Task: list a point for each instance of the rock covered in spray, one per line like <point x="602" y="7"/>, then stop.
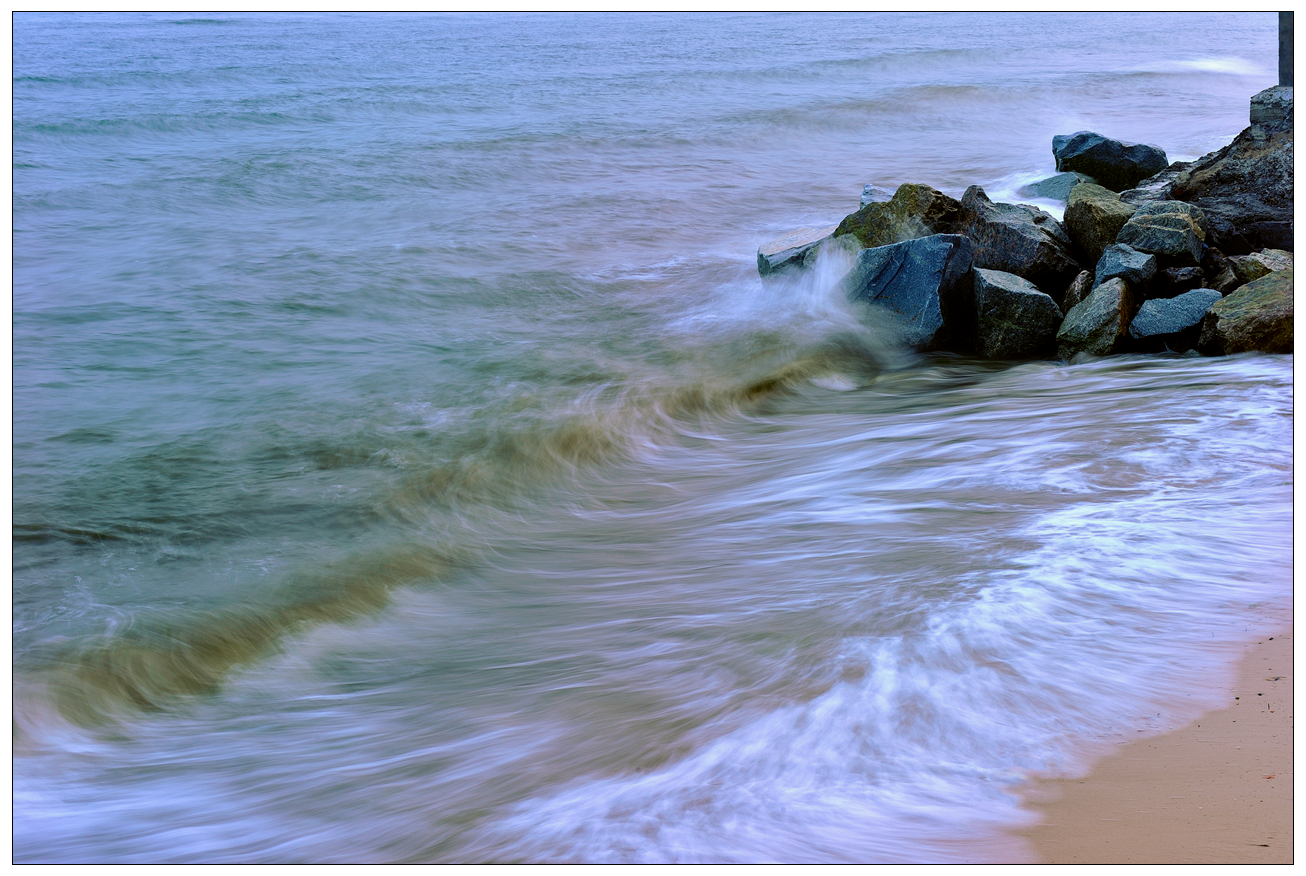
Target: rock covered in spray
<point x="922" y="289"/>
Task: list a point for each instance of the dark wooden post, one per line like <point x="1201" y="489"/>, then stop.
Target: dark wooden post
<point x="1285" y="49"/>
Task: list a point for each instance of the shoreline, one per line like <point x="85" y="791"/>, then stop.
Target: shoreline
<point x="1218" y="790"/>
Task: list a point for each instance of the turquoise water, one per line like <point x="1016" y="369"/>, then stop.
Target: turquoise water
<point x="409" y="464"/>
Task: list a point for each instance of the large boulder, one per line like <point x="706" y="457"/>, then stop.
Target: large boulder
<point x="1114" y="164"/>
<point x="1257" y="316"/>
<point x="795" y="250"/>
<point x="1171" y="229"/>
<point x="1171" y="323"/>
<point x="1094" y="216"/>
<point x="1014" y="320"/>
<point x="1019" y="240"/>
<point x="915" y="210"/>
<point x="1136" y="268"/>
<point x="922" y="287"/>
<point x="1098" y="325"/>
<point x="1245" y="189"/>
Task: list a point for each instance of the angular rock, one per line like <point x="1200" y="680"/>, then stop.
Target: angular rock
<point x="1114" y="164"/>
<point x="1166" y="228"/>
<point x="1271" y="110"/>
<point x="1055" y="188"/>
<point x="923" y="287"/>
<point x="1257" y="316"/>
<point x="1077" y="291"/>
<point x="1137" y="268"/>
<point x="1098" y="325"/>
<point x="1246" y="188"/>
<point x="1014" y="320"/>
<point x="1019" y="240"/>
<point x="795" y="250"/>
<point x="914" y="211"/>
<point x="873" y="194"/>
<point x="1094" y="216"/>
<point x="1252" y="267"/>
<point x="1171" y="324"/>
<point x="1175" y="281"/>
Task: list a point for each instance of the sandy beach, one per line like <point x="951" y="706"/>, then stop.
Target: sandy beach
<point x="1217" y="791"/>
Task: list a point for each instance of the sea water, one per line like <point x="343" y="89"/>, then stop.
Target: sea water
<point x="409" y="464"/>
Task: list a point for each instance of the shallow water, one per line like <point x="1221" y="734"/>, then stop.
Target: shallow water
<point x="409" y="464"/>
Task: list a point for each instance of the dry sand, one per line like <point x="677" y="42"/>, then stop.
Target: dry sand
<point x="1218" y="791"/>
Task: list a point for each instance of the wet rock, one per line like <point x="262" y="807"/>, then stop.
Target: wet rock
<point x="1175" y="281"/>
<point x="1014" y="320"/>
<point x="1077" y="291"/>
<point x="1115" y="164"/>
<point x="1094" y="217"/>
<point x="922" y="287"/>
<point x="1172" y="229"/>
<point x="1137" y="268"/>
<point x="1257" y="316"/>
<point x="795" y="250"/>
<point x="1055" y="188"/>
<point x="1019" y="240"/>
<point x="873" y="194"/>
<point x="1271" y="110"/>
<point x="1247" y="268"/>
<point x="1098" y="325"/>
<point x="1172" y="324"/>
<point x="1245" y="189"/>
<point x="914" y="211"/>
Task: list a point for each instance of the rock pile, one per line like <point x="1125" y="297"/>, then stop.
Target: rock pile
<point x="1189" y="256"/>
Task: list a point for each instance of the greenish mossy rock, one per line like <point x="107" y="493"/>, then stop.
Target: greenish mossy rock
<point x="1014" y="320"/>
<point x="1247" y="268"/>
<point x="1257" y="316"/>
<point x="1094" y="217"/>
<point x="915" y="210"/>
<point x="1098" y="325"/>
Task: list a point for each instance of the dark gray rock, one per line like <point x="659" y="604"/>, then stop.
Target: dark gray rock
<point x="1171" y="323"/>
<point x="1257" y="316"/>
<point x="1094" y="216"/>
<point x="1019" y="240"/>
<point x="1114" y="164"/>
<point x="1014" y="320"/>
<point x="1098" y="325"/>
<point x="922" y="287"/>
<point x="914" y="211"/>
<point x="795" y="250"/>
<point x="1055" y="188"/>
<point x="1137" y="268"/>
<point x="1172" y="229"/>
<point x="1271" y="110"/>
<point x="1175" y="281"/>
<point x="873" y="194"/>
<point x="1245" y="189"/>
<point x="1077" y="291"/>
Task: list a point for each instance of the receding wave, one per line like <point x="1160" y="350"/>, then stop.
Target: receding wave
<point x="153" y="663"/>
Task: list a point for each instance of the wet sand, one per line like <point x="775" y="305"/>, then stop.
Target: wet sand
<point x="1217" y="791"/>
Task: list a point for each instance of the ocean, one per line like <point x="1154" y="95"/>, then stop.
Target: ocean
<point x="409" y="464"/>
